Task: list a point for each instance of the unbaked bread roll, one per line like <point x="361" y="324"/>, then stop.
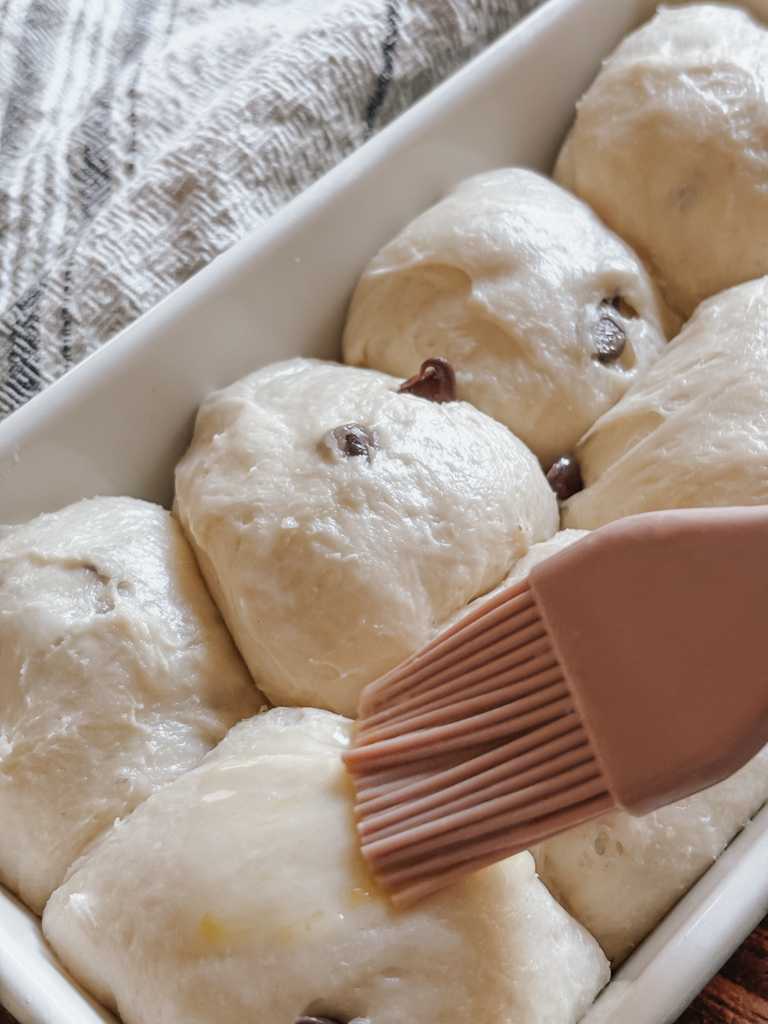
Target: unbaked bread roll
<point x="546" y="315"/>
<point x="669" y="149"/>
<point x="116" y="675"/>
<point x="339" y="523"/>
<point x="619" y="875"/>
<point x="238" y="894"/>
<point x="520" y="570"/>
<point x="694" y="430"/>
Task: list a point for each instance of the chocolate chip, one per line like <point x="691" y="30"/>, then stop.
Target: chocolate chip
<point x="355" y="439"/>
<point x="609" y="339"/>
<point x="435" y="381"/>
<point x="316" y="1020"/>
<point x="565" y="477"/>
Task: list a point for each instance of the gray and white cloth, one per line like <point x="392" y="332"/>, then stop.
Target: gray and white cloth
<point x="141" y="138"/>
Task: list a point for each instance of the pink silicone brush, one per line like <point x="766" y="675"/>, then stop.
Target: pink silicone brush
<point x="629" y="670"/>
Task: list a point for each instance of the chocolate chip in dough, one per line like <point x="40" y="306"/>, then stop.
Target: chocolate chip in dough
<point x="355" y="439"/>
<point x="609" y="339"/>
<point x="564" y="477"/>
<point x="316" y="1020"/>
<point x="435" y="381"/>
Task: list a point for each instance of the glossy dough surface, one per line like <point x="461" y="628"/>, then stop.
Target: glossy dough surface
<point x="239" y="890"/>
<point x="669" y="149"/>
<point x="331" y="568"/>
<point x="116" y="675"/>
<point x="512" y="280"/>
<point x="619" y="875"/>
<point x="694" y="430"/>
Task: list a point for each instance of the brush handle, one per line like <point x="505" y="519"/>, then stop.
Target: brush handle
<point x="660" y="621"/>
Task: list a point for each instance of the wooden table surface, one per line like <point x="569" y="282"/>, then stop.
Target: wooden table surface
<point x="737" y="995"/>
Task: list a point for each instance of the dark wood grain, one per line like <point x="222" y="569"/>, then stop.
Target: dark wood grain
<point x="723" y="1002"/>
<point x="748" y="966"/>
<point x="737" y="995"/>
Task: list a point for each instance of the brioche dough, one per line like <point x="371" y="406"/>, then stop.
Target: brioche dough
<point x="238" y="894"/>
<point x="116" y="675"/>
<point x="619" y="875"/>
<point x="669" y="149"/>
<point x="520" y="570"/>
<point x="694" y="430"/>
<point x="514" y="282"/>
<point x="331" y="568"/>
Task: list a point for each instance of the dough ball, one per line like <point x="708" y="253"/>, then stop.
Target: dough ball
<point x="540" y="552"/>
<point x="619" y="875"/>
<point x="116" y="675"/>
<point x="520" y="570"/>
<point x="694" y="431"/>
<point x="669" y="149"/>
<point x="546" y="315"/>
<point x="238" y="894"/>
<point x="331" y="564"/>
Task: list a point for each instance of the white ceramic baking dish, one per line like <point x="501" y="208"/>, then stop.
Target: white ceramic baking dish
<point x="118" y="422"/>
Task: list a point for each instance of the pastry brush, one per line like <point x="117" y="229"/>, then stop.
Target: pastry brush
<point x="627" y="671"/>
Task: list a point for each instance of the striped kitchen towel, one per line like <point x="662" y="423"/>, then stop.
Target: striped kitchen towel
<point x="140" y="138"/>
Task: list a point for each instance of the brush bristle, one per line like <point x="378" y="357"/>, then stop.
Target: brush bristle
<point x="470" y="751"/>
